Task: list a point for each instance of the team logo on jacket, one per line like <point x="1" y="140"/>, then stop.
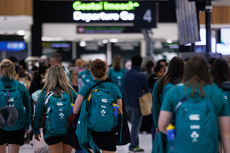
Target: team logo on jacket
<point x="104" y="100"/>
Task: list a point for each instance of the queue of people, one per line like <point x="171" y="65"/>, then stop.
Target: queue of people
<point x="190" y="96"/>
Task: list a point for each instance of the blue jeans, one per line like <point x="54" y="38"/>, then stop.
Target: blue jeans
<point x="135" y="117"/>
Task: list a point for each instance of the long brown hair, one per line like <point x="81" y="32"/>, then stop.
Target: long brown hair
<point x="173" y="75"/>
<point x="220" y="71"/>
<point x="196" y="73"/>
<point x="117" y="63"/>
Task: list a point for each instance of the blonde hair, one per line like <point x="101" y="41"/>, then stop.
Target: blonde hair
<point x="79" y="63"/>
<point x="8" y="68"/>
<point x="56" y="79"/>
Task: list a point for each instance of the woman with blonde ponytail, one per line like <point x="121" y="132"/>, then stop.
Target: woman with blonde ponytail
<point x="56" y="88"/>
<point x="15" y="123"/>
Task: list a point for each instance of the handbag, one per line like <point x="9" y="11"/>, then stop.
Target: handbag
<point x="146" y="104"/>
<point x="122" y="131"/>
<point x="71" y="137"/>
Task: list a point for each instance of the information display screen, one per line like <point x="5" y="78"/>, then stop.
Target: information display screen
<point x="223" y="48"/>
<point x="106" y="29"/>
<point x="224" y="35"/>
<point x="141" y="14"/>
<point x="61" y="47"/>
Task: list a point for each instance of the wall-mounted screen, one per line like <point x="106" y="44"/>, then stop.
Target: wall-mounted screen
<point x="225" y="35"/>
<point x="61" y="47"/>
<point x="202" y="37"/>
<point x="138" y="13"/>
<point x="223" y="49"/>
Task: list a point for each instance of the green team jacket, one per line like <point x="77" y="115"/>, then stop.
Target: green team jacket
<point x="157" y="100"/>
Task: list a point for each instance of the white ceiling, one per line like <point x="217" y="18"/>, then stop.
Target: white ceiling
<point x="11" y="24"/>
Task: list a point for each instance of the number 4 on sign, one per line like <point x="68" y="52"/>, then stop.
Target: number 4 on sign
<point x="148" y="16"/>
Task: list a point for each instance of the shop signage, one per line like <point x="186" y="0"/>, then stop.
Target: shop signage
<point x="12" y="45"/>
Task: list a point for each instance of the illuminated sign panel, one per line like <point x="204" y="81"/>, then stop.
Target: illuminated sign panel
<point x="12" y="46"/>
<point x="102" y="16"/>
<point x="106" y="29"/>
<point x="93" y="6"/>
<point x="61" y="47"/>
<point x="126" y="12"/>
<point x="138" y="13"/>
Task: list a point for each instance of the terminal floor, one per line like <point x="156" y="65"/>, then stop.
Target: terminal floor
<point x="145" y="143"/>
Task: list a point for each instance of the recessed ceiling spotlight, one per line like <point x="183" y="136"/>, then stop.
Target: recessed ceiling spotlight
<point x="82" y="43"/>
<point x="169" y="41"/>
<point x="114" y="40"/>
<point x="104" y="41"/>
<point x="21" y="32"/>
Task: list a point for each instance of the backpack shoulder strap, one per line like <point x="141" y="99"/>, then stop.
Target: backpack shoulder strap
<point x="185" y="98"/>
<point x="48" y="97"/>
<point x="1" y="85"/>
<point x="93" y="87"/>
<point x="89" y="93"/>
<point x="180" y="102"/>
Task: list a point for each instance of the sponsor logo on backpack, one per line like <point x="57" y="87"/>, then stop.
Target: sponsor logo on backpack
<point x="195" y="127"/>
<point x="103" y="112"/>
<point x="194" y="117"/>
<point x="104" y="100"/>
<point x="194" y="136"/>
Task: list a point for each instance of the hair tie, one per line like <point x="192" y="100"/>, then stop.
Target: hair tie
<point x="5" y="65"/>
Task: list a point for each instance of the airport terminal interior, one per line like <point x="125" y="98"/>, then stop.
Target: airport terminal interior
<point x="33" y="30"/>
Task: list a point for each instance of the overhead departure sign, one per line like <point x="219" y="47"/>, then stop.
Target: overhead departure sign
<point x="140" y="13"/>
<point x="99" y="6"/>
<point x="102" y="16"/>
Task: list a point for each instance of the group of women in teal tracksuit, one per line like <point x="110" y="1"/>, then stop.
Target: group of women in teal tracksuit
<point x="196" y="83"/>
<point x="172" y="77"/>
<point x="56" y="87"/>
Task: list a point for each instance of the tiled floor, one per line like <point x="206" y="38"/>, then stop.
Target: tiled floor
<point x="145" y="143"/>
